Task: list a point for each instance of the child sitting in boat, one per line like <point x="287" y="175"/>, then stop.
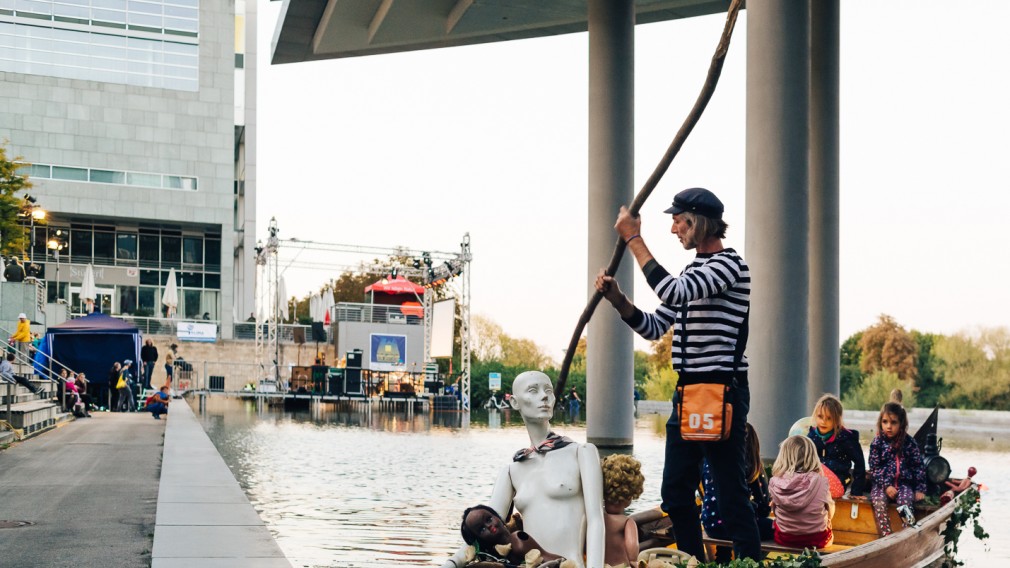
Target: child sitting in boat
<point x="896" y="468"/>
<point x="484" y="529"/>
<point x="837" y="447"/>
<point x="623" y="482"/>
<point x="800" y="498"/>
<point x="760" y="501"/>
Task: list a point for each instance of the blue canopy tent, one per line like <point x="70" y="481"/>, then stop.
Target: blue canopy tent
<point x="91" y="344"/>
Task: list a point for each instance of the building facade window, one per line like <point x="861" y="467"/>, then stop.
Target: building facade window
<point x="151" y="252"/>
<point x="113" y="177"/>
<point x="171" y="252"/>
<point x="126" y="248"/>
<point x="133" y="42"/>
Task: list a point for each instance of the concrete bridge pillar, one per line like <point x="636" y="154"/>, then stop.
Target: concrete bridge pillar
<point x="777" y="215"/>
<point x="610" y="355"/>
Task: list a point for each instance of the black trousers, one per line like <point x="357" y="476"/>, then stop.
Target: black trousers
<point x="682" y="474"/>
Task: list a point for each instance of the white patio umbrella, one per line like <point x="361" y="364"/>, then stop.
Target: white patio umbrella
<point x="170" y="297"/>
<point x="327" y="304"/>
<point x="282" y="299"/>
<point x="88" y="290"/>
<point x="315" y="307"/>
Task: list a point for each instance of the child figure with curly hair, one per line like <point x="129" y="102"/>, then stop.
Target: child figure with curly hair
<point x="622" y="483"/>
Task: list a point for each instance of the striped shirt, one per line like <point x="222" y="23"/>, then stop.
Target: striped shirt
<point x="716" y="289"/>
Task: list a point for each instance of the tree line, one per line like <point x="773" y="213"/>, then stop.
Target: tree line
<point x="969" y="369"/>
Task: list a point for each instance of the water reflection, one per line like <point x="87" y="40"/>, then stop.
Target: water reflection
<point x="353" y="486"/>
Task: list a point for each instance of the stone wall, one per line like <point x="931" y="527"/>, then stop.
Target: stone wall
<point x="235" y="360"/>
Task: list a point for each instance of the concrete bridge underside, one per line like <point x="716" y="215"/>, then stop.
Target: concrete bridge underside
<point x="791" y="167"/>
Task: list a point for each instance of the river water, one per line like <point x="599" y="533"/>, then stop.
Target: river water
<point x="350" y="487"/>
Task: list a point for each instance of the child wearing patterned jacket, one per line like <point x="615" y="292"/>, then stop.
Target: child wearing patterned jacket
<point x="896" y="468"/>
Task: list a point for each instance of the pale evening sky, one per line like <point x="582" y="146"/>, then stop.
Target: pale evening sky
<point x="415" y="149"/>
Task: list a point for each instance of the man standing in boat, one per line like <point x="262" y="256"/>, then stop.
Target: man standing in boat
<point x="707" y="305"/>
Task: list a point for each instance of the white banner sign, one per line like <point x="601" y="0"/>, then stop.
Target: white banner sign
<point x="192" y="331"/>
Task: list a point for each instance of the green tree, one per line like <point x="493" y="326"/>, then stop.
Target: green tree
<point x="661" y="385"/>
<point x="660" y="380"/>
<point x="13" y="180"/>
<point x="641" y="369"/>
<point x="887" y="346"/>
<point x="485" y="338"/>
<point x="930" y="382"/>
<point x="876" y="390"/>
<point x="520" y="352"/>
<point x="660" y="355"/>
<point x="850" y="353"/>
<point x="976" y="369"/>
<point x="494" y="351"/>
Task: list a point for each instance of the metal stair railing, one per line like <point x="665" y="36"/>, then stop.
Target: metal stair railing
<point x="49" y="372"/>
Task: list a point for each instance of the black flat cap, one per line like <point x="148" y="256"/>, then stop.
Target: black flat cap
<point x="697" y="200"/>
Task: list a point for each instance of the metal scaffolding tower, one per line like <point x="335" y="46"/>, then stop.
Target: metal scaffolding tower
<point x="464" y="316"/>
<point x="435" y="269"/>
<point x="266" y="291"/>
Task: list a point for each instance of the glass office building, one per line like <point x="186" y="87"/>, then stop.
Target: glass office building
<point x="136" y="121"/>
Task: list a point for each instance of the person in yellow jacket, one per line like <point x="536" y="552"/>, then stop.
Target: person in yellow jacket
<point x="23" y="334"/>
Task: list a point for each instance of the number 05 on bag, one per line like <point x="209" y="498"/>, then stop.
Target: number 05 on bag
<point x="705" y="413"/>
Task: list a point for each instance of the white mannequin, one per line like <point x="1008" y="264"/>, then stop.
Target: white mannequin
<point x="560" y="492"/>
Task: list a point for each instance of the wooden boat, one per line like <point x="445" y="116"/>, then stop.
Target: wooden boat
<point x="856" y="541"/>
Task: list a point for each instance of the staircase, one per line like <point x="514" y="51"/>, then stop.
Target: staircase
<point x="30" y="412"/>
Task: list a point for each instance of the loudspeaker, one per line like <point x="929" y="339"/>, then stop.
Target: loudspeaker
<point x="352" y="380"/>
<point x="336" y="378"/>
<point x="318" y="332"/>
<point x="354" y="359"/>
<point x="299" y="334"/>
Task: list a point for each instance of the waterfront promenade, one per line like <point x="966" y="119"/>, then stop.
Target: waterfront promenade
<point x="125" y="490"/>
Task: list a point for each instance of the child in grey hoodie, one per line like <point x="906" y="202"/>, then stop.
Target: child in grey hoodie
<point x="800" y="496"/>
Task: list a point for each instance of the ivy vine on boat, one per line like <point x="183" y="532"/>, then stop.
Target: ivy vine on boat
<point x="808" y="559"/>
<point x="968" y="510"/>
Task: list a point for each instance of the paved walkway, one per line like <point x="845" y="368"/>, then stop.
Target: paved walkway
<point x="204" y="518"/>
<point x="90" y="487"/>
<point x="125" y="490"/>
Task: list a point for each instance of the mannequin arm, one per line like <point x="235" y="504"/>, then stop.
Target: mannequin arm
<point x="631" y="541"/>
<point x="592" y="492"/>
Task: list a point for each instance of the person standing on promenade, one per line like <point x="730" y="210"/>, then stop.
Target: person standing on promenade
<point x="168" y="369"/>
<point x="127" y="398"/>
<point x="574" y="405"/>
<point x="14" y="271"/>
<point x="148" y="356"/>
<point x="707" y="305"/>
<point x="23" y="335"/>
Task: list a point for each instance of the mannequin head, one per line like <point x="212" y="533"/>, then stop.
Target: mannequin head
<point x="533" y="396"/>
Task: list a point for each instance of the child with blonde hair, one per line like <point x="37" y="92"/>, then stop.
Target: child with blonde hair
<point x="837" y="447"/>
<point x="623" y="482"/>
<point x="800" y="497"/>
<point x="895" y="465"/>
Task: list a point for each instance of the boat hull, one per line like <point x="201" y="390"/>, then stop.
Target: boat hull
<point x="911" y="546"/>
